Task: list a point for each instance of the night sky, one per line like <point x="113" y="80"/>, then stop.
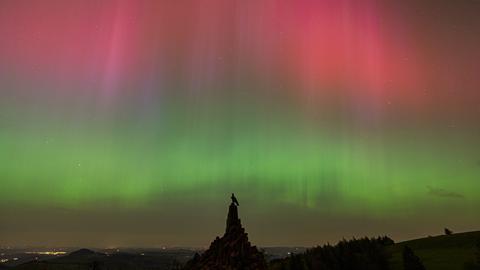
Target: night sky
<point x="129" y="123"/>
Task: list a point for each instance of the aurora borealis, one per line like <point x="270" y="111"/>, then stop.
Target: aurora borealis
<point x="131" y="122"/>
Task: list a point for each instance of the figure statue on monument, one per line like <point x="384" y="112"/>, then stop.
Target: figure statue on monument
<point x="234" y="200"/>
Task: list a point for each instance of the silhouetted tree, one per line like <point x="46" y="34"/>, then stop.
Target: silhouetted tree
<point x="410" y="260"/>
<point x="448" y="232"/>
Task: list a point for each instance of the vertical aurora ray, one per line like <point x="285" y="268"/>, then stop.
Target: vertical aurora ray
<point x="329" y="109"/>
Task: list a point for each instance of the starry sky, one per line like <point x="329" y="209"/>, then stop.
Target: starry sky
<point x="129" y="123"/>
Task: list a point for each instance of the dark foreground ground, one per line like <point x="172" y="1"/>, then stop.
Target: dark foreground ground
<point x="440" y="252"/>
<point x="112" y="259"/>
<point x="450" y="252"/>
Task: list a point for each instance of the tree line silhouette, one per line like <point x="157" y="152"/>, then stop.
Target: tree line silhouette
<point x="361" y="254"/>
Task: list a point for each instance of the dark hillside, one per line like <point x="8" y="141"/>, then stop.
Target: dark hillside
<point x="444" y="252"/>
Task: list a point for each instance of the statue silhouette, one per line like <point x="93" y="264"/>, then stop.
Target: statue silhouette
<point x="234" y="200"/>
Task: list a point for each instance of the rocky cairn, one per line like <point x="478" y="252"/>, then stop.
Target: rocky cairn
<point x="232" y="251"/>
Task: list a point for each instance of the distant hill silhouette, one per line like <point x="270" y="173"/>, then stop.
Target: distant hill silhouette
<point x="85" y="259"/>
<point x="232" y="251"/>
<point x="83" y="252"/>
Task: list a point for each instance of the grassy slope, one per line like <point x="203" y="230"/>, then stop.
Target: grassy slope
<point x="439" y="252"/>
